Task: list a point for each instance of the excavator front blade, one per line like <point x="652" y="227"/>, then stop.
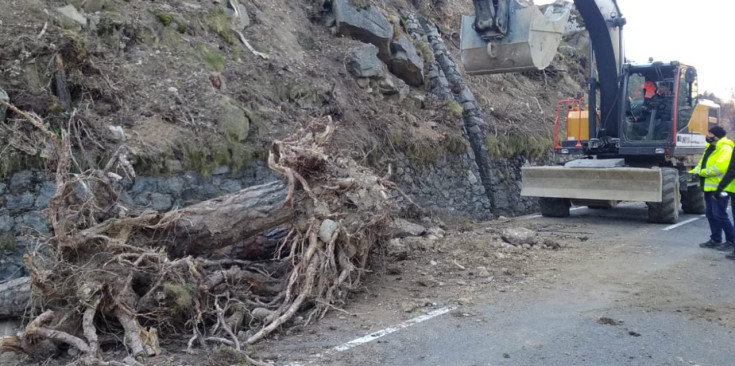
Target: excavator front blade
<point x="530" y="44"/>
<point x="604" y="184"/>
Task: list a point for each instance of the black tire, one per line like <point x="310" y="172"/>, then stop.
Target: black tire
<point x="666" y="211"/>
<point x="692" y="200"/>
<point x="554" y="207"/>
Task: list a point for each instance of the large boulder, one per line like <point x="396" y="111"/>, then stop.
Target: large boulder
<point x="363" y="61"/>
<point x="364" y="23"/>
<point x="406" y="63"/>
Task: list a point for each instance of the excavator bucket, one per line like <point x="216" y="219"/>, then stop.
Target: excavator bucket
<point x="530" y="44"/>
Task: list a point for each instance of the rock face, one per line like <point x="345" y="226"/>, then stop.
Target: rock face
<point x="363" y="62"/>
<point x="365" y="24"/>
<point x="406" y="62"/>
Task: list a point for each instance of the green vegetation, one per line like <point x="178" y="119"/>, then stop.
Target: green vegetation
<point x="217" y="21"/>
<point x="164" y="18"/>
<point x="291" y="90"/>
<point x="214" y="60"/>
<point x="424" y="50"/>
<point x="14" y="161"/>
<point x="515" y="145"/>
<point x="453" y="110"/>
<point x="360" y="4"/>
<point x="7" y="241"/>
<point x="180" y="297"/>
<point x="423" y="152"/>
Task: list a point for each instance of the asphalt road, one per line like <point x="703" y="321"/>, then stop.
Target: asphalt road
<point x="645" y="294"/>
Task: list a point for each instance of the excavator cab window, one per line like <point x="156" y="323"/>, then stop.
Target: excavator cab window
<point x="649" y="105"/>
<point x="686" y="98"/>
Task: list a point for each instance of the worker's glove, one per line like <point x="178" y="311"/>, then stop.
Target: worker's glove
<point x="719" y="194"/>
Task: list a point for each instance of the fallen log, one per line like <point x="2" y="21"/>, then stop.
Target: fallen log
<point x="230" y="221"/>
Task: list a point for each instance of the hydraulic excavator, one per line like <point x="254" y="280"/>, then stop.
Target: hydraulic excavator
<point x="647" y="132"/>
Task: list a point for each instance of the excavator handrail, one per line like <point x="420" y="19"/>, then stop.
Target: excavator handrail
<point x="576" y="105"/>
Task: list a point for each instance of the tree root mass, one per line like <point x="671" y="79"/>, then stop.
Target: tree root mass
<point x="231" y="270"/>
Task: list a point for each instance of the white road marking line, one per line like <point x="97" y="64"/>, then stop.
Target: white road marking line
<point x="373" y="336"/>
<point x="680" y="224"/>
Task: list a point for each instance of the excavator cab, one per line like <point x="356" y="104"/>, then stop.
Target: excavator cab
<point x="662" y="113"/>
<point x="507" y="36"/>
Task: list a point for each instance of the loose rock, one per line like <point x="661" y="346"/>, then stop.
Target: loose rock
<point x="261" y="313"/>
<point x="116" y="133"/>
<point x="518" y="235"/>
<point x="365" y="24"/>
<point x="406" y="62"/>
<point x="363" y="61"/>
<point x="397" y="249"/>
<point x="72" y="13"/>
<point x="428" y="281"/>
<point x="327" y="229"/>
<point x="402" y="228"/>
<point x="4" y="97"/>
<point x="483" y="272"/>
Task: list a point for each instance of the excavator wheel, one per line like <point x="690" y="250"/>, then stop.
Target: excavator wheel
<point x="666" y="211"/>
<point x="692" y="200"/>
<point x="554" y="207"/>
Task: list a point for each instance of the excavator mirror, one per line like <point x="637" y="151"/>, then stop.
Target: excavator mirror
<point x="691" y="75"/>
<point x="530" y="43"/>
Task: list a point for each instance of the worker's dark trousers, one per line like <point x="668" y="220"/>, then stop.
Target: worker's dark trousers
<point x="716" y="212"/>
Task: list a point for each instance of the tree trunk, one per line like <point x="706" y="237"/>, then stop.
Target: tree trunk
<point x="230" y="220"/>
<point x="15" y="296"/>
<point x="248" y="221"/>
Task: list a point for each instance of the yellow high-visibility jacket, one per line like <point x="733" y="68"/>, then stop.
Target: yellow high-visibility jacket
<point x="717" y="164"/>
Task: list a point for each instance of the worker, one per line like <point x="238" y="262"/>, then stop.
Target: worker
<point x="711" y="169"/>
<point x="726" y="192"/>
<point x="650" y="89"/>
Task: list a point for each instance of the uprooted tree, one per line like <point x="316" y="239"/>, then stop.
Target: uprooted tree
<point x="245" y="261"/>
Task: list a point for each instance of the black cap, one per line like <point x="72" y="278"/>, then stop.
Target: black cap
<point x="718" y="131"/>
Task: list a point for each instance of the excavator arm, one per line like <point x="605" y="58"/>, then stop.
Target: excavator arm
<point x="491" y="21"/>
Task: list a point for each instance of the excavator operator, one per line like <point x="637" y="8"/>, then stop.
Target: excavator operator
<point x="660" y="101"/>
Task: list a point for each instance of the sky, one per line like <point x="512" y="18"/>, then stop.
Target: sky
<point x="698" y="33"/>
